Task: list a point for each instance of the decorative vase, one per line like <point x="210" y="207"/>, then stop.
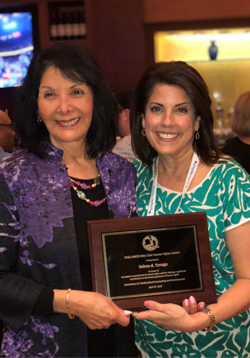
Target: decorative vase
<point x="213" y="50"/>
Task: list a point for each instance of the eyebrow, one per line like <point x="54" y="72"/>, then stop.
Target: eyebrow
<point x="158" y="104"/>
<point x="176" y="105"/>
<point x="181" y="104"/>
<point x="75" y="85"/>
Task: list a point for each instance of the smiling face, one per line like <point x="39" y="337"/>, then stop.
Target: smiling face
<point x="66" y="109"/>
<point x="170" y="121"/>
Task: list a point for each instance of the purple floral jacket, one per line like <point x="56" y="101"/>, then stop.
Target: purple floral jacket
<point x="38" y="247"/>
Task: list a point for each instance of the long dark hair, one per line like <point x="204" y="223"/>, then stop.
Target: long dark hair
<point x="76" y="64"/>
<point x="179" y="74"/>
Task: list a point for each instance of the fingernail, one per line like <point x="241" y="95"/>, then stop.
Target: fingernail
<point x="185" y="302"/>
<point x="192" y="299"/>
<point x="127" y="312"/>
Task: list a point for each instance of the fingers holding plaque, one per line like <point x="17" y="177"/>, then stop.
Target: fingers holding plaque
<point x="163" y="258"/>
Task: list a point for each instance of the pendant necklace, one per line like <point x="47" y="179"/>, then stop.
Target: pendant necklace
<point x="81" y="195"/>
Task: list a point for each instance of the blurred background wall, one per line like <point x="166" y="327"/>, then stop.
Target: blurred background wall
<point x="121" y="34"/>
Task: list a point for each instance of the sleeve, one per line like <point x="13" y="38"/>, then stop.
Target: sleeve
<point x="134" y="206"/>
<point x="236" y="193"/>
<point x="44" y="303"/>
<point x="18" y="295"/>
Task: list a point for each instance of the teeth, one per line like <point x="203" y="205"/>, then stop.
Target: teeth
<point x="167" y="136"/>
<point x="68" y="124"/>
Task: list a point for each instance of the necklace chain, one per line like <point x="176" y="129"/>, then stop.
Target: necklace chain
<point x="96" y="182"/>
<point x="81" y="195"/>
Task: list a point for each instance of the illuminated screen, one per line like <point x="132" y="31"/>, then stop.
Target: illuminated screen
<point x="16" y="47"/>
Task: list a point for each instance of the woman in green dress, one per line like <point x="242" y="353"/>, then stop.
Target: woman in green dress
<point x="181" y="170"/>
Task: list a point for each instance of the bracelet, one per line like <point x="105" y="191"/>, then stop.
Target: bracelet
<point x="71" y="316"/>
<point x="211" y="317"/>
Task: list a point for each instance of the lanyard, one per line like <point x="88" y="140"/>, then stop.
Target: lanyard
<point x="190" y="175"/>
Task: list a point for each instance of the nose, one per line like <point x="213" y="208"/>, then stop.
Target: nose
<point x="168" y="119"/>
<point x="64" y="105"/>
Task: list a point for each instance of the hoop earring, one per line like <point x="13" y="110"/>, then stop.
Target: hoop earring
<point x="197" y="135"/>
<point x="143" y="132"/>
<point x="39" y="119"/>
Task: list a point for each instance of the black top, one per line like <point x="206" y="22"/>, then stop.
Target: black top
<point x="84" y="212"/>
<point x="239" y="151"/>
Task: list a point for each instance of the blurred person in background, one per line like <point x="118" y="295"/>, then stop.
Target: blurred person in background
<point x="123" y="146"/>
<point x="239" y="146"/>
<point x="6" y="135"/>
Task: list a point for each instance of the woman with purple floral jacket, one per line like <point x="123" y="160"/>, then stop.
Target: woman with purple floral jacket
<point x="63" y="176"/>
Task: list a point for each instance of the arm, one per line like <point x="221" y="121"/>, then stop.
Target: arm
<point x="231" y="303"/>
<point x="17" y="294"/>
<point x="237" y="298"/>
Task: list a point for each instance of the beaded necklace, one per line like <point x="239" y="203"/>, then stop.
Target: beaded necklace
<point x="81" y="195"/>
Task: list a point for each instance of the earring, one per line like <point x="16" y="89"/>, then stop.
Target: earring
<point x="143" y="132"/>
<point x="39" y="119"/>
<point x="197" y="135"/>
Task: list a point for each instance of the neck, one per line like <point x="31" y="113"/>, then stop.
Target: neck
<point x="75" y="156"/>
<point x="76" y="161"/>
<point x="81" y="167"/>
<point x="172" y="172"/>
<point x="70" y="149"/>
<point x="170" y="165"/>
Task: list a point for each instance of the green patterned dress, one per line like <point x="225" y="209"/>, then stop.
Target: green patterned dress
<point x="225" y="196"/>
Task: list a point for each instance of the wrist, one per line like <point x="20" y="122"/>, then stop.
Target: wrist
<point x="207" y="310"/>
<point x="201" y="321"/>
<point x="59" y="301"/>
<point x="68" y="307"/>
<point x="62" y="302"/>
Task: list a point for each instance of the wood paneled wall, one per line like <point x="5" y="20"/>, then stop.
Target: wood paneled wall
<point x="117" y="40"/>
<point x="155" y="11"/>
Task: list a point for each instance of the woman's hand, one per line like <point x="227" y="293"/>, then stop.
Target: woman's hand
<point x="170" y="316"/>
<point x="95" y="310"/>
<point x="191" y="306"/>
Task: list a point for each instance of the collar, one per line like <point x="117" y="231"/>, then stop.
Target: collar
<point x="55" y="154"/>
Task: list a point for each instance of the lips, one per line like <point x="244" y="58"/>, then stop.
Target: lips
<point x="68" y="123"/>
<point x="167" y="135"/>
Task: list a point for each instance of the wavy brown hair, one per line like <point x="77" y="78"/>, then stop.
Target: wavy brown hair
<point x="180" y="74"/>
